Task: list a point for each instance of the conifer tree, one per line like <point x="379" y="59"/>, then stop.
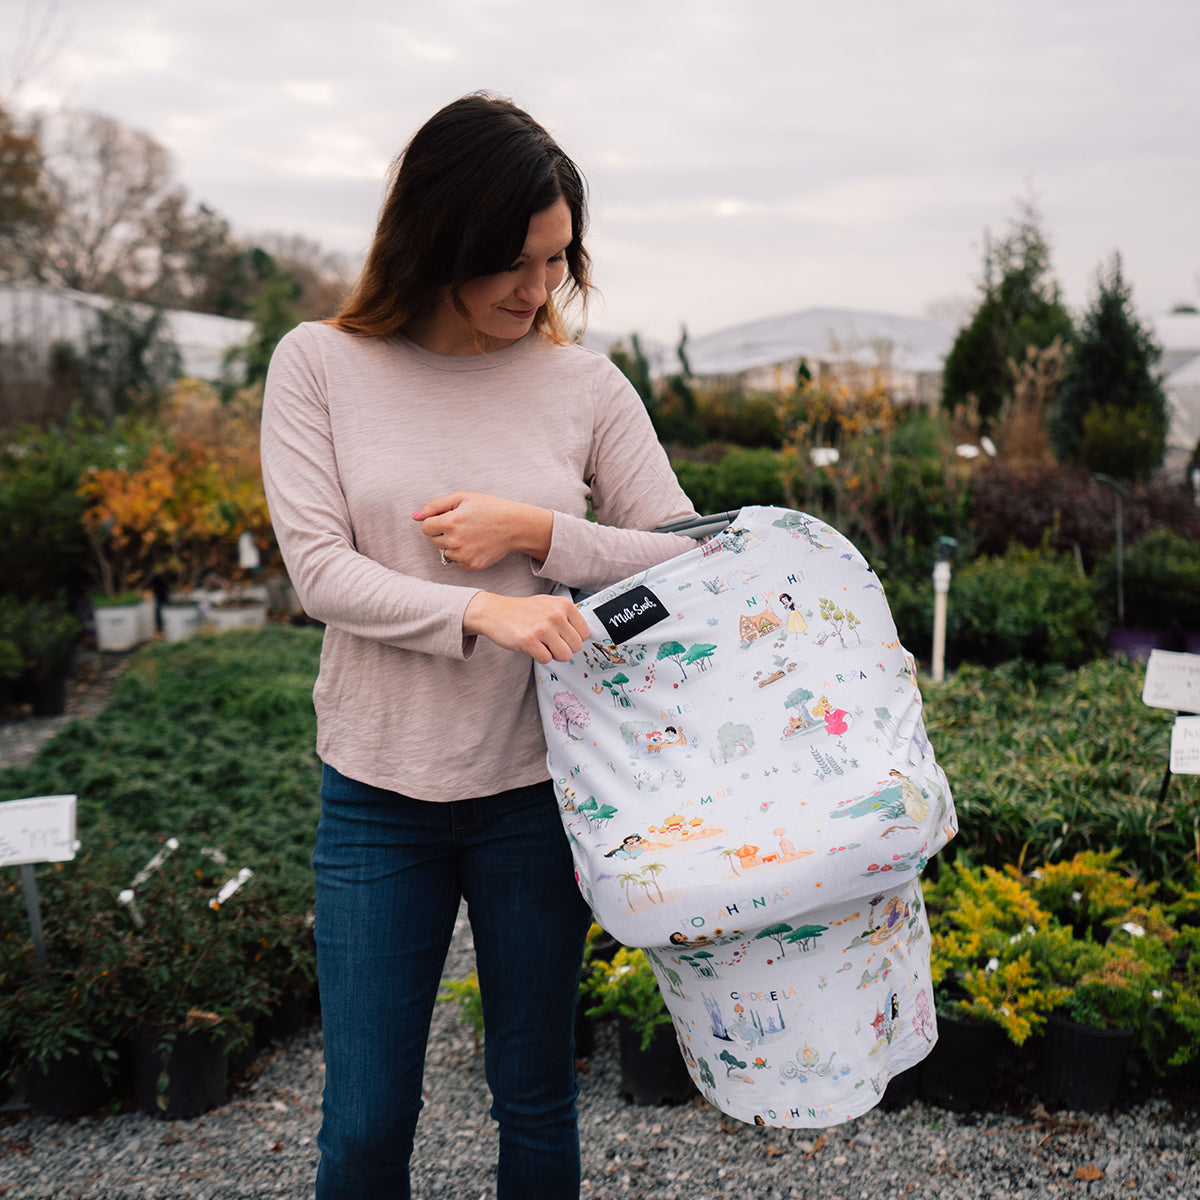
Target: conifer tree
<point x="1111" y="412"/>
<point x="1021" y="307"/>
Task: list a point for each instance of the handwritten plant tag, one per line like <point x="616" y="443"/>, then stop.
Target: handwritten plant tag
<point x="37" y="829"/>
<point x="1185" y="746"/>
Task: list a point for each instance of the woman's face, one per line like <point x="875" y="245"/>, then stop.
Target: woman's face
<point x="502" y="307"/>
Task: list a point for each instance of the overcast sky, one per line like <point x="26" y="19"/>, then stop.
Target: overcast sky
<point x="745" y="158"/>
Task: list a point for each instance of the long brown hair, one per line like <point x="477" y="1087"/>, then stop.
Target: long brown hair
<point x="460" y="197"/>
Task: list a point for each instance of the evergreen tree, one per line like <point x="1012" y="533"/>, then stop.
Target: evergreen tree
<point x="1111" y="411"/>
<point x="274" y="312"/>
<point x="1021" y="307"/>
<point x="635" y="366"/>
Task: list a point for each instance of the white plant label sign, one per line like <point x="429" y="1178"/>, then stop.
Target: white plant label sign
<point x="1172" y="681"/>
<point x="37" y="829"/>
<point x="1185" y="746"/>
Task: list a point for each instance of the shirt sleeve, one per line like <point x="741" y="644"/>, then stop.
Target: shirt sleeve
<point x="633" y="490"/>
<point x="334" y="582"/>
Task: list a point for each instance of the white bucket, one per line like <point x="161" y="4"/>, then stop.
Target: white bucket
<point x="242" y="617"/>
<point x="147" y="620"/>
<point x="118" y="626"/>
<point x="180" y="621"/>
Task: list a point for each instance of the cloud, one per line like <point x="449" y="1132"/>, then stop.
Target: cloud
<point x="742" y="159"/>
<point x="313" y="91"/>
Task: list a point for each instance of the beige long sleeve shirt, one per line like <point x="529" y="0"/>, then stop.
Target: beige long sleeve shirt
<point x="358" y="433"/>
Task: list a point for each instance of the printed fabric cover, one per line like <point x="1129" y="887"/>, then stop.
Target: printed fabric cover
<point x="749" y="794"/>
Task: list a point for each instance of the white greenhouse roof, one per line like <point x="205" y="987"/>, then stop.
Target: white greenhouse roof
<point x="1176" y="332"/>
<point x="43" y="316"/>
<point x="917" y="344"/>
<point x="1186" y="376"/>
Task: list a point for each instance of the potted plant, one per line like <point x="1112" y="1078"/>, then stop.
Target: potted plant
<point x="61" y="1014"/>
<point x="1113" y="994"/>
<point x="46" y="636"/>
<point x="57" y="1024"/>
<point x="122" y="520"/>
<point x="286" y="959"/>
<point x="465" y="993"/>
<point x="991" y="942"/>
<point x="652" y="1069"/>
<point x="192" y="987"/>
<point x="1172" y="1041"/>
<point x="12" y="663"/>
<point x="599" y="946"/>
<point x="1088" y="892"/>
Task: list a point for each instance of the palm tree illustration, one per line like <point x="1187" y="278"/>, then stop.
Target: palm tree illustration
<point x="628" y="879"/>
<point x="653" y="869"/>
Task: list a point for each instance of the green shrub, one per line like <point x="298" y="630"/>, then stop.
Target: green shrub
<point x="1046" y="763"/>
<point x="1031" y="604"/>
<point x="627" y="987"/>
<point x="41" y="513"/>
<point x="736" y="478"/>
<point x="1161" y="582"/>
<point x="751" y="420"/>
<point x="211" y="740"/>
<point x="992" y="945"/>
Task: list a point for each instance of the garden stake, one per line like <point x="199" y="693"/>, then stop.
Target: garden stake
<point x="35" y="913"/>
<point x="127" y="899"/>
<point x="230" y="887"/>
<point x="169" y="848"/>
<point x="37" y="829"/>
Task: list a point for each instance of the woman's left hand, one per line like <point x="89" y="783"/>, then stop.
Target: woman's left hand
<point x="474" y="530"/>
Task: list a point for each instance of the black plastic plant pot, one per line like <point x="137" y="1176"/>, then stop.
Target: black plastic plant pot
<point x="960" y="1070"/>
<point x="656" y="1075"/>
<point x="1082" y="1067"/>
<point x="189" y="1078"/>
<point x="67" y="1087"/>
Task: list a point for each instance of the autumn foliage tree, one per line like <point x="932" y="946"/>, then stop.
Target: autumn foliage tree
<point x="177" y="514"/>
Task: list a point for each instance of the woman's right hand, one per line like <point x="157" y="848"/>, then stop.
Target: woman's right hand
<point x="548" y="628"/>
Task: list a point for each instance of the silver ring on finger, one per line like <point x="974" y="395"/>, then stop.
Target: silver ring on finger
<point x="445" y="560"/>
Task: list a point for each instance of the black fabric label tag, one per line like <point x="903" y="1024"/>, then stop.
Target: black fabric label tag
<point x="631" y="613"/>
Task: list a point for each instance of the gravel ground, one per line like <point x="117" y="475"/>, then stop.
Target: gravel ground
<point x="263" y="1143"/>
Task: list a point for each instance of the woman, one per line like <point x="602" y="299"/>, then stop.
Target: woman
<point x="429" y="457"/>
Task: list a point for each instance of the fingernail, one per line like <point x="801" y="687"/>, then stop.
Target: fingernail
<point x="417" y="514"/>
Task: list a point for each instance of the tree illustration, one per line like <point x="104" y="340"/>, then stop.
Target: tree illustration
<point x="732" y="855"/>
<point x="653" y="869"/>
<point x="673" y="650"/>
<point x="777" y="933"/>
<point x="805" y="936"/>
<point x="601" y="817"/>
<point x="618" y="681"/>
<point x="731" y="1061"/>
<point x="706" y="1075"/>
<point x="597" y="815"/>
<point x="837" y="618"/>
<point x="799" y="701"/>
<point x="568" y="711"/>
<point x="699" y="963"/>
<point x="700" y="653"/>
<point x="629" y="879"/>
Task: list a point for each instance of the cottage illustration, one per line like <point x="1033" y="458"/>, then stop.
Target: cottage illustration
<point x="753" y="626"/>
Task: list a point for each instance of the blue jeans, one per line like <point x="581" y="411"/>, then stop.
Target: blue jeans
<point x="390" y="872"/>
